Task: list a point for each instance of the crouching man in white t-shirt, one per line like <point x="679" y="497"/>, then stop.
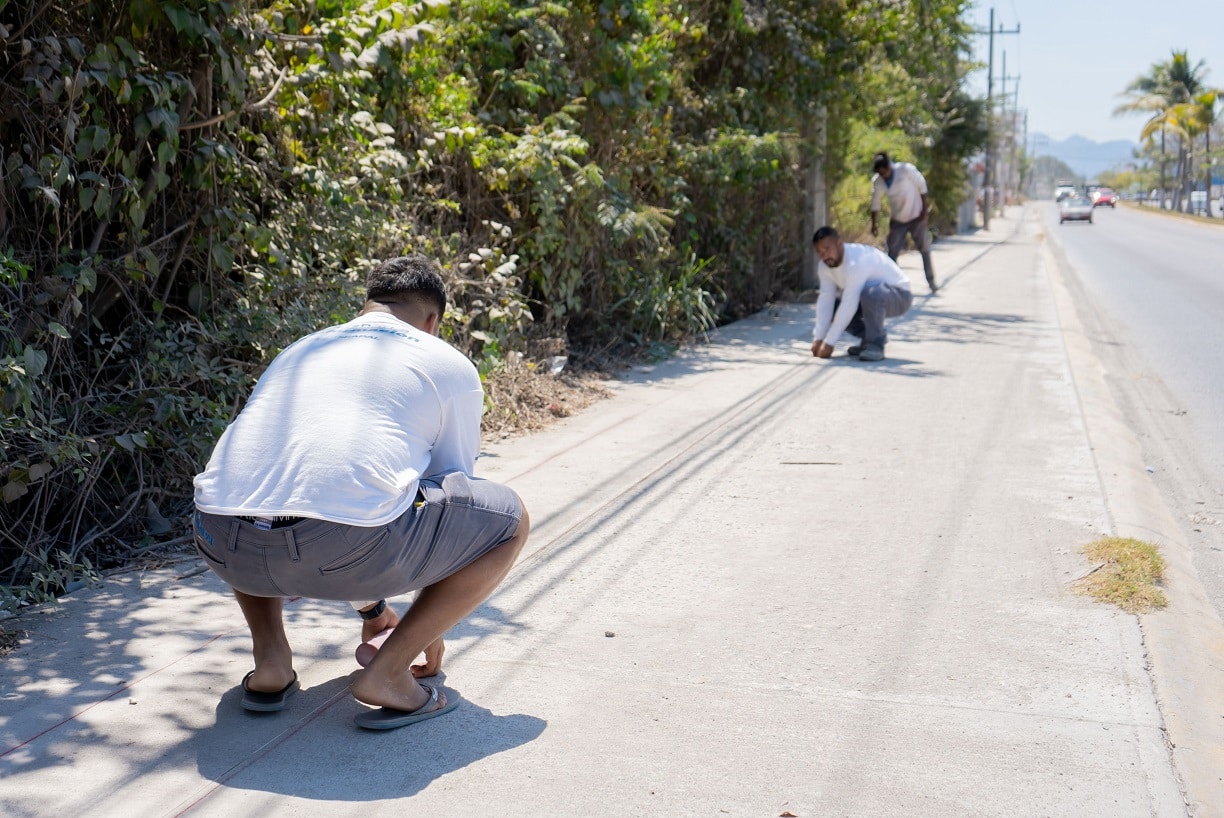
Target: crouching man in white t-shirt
<point x="859" y="288"/>
<point x="348" y="475"/>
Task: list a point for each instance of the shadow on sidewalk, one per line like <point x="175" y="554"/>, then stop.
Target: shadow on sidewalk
<point x="347" y="766"/>
<point x="765" y="337"/>
<point x="958" y="327"/>
<point x="906" y="367"/>
<point x="122" y="677"/>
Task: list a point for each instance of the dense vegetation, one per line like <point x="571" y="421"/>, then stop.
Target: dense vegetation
<point x="186" y="186"/>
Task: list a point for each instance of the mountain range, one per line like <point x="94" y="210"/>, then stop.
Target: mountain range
<point x="1084" y="156"/>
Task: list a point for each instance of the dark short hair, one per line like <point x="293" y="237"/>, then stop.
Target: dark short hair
<point x="406" y="278"/>
<point x="880" y="161"/>
<point x="825" y="232"/>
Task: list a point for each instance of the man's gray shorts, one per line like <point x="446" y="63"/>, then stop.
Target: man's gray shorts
<point x="455" y="520"/>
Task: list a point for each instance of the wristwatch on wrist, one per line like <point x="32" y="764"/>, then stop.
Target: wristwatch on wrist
<point x="376" y="611"/>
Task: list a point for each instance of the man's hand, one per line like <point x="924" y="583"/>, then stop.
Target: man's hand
<point x="372" y="627"/>
<point x="822" y="350"/>
<point x="875" y="230"/>
<point x="433" y="660"/>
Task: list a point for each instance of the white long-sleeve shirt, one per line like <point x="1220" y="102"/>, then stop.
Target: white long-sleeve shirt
<point x="344" y="423"/>
<point x="862" y="264"/>
<point x="904" y="191"/>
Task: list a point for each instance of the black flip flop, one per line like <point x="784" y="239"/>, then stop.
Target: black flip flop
<point x="260" y="701"/>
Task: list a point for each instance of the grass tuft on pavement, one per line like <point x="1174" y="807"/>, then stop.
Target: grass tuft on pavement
<point x="1128" y="573"/>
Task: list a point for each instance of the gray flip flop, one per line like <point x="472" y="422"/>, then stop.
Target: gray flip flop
<point x="388" y="718"/>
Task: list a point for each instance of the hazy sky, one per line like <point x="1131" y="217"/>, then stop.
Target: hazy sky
<point x="1074" y="57"/>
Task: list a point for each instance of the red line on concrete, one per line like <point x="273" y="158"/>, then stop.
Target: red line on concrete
<point x="257" y="755"/>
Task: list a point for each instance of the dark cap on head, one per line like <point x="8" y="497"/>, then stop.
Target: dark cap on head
<point x="399" y="280"/>
<point x="880" y="161"/>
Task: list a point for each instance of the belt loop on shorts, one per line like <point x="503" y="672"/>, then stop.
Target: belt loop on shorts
<point x="291" y="542"/>
<point x="233" y="536"/>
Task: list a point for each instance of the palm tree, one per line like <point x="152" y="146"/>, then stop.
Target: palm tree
<point x="1173" y="93"/>
<point x="1149" y="93"/>
<point x="1206" y="102"/>
<point x="1179" y="120"/>
<point x="1190" y="119"/>
<point x="1186" y="83"/>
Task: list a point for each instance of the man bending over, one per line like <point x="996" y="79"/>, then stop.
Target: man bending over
<point x="909" y="209"/>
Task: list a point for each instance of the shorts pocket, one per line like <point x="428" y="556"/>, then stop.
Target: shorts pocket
<point x="357" y="555"/>
<point x="202" y="546"/>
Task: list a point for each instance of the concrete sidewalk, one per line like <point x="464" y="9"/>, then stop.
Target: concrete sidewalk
<point x="758" y="584"/>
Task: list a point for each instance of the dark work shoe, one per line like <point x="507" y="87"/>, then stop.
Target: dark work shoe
<point x="871" y="353"/>
<point x="854" y="350"/>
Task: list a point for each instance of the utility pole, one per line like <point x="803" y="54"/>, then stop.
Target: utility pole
<point x="988" y="176"/>
<point x="1019" y="138"/>
<point x="1001" y="169"/>
<point x="1009" y="123"/>
<point x="1026" y="180"/>
<point x="814" y="132"/>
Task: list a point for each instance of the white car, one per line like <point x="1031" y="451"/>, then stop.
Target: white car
<point x="1075" y="209"/>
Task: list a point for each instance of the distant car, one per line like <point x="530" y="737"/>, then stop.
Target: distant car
<point x="1063" y="190"/>
<point x="1104" y="197"/>
<point x="1075" y="209"/>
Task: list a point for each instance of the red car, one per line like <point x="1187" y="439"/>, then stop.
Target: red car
<point x="1104" y="196"/>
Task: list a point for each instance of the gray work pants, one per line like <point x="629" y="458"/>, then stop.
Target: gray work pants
<point x="918" y="230"/>
<point x="878" y="301"/>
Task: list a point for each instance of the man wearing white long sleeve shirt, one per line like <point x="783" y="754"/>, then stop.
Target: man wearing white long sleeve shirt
<point x="859" y="288"/>
<point x="908" y="209"/>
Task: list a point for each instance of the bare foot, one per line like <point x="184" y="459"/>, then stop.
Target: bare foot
<point x="273" y="670"/>
<point x="400" y="693"/>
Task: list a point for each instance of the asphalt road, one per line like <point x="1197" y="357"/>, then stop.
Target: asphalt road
<point x="1151" y="288"/>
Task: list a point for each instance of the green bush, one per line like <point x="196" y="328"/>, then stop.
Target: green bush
<point x="188" y="186"/>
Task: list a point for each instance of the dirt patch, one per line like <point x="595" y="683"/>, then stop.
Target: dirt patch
<point x="526" y="396"/>
<point x="10" y="639"/>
